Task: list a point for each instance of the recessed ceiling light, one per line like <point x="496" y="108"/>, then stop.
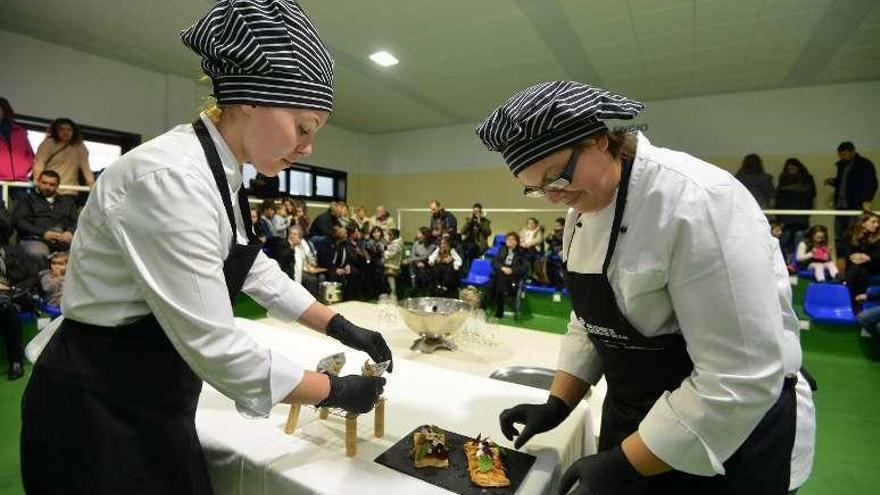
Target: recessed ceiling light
<point x="384" y="59"/>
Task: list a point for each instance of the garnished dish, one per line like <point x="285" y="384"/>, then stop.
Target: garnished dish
<point x="429" y="448"/>
<point x="484" y="463"/>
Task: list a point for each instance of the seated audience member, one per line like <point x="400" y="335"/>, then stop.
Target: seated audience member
<point x="359" y="286"/>
<point x="324" y="223"/>
<point x="18" y="286"/>
<point x="344" y="214"/>
<point x="301" y="215"/>
<point x="554" y="254"/>
<point x="444" y="274"/>
<point x="863" y="259"/>
<point x="258" y="227"/>
<point x="300" y="263"/>
<point x="383" y="219"/>
<point x="360" y="219"/>
<point x="268" y="211"/>
<point x="510" y="267"/>
<point x="532" y="237"/>
<point x="813" y="252"/>
<point x="417" y="262"/>
<point x="375" y="272"/>
<point x="52" y="280"/>
<point x="44" y="223"/>
<point x="869" y="319"/>
<point x="392" y="259"/>
<point x="475" y="234"/>
<point x="280" y="222"/>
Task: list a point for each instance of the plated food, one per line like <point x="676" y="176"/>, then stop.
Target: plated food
<point x="484" y="463"/>
<point x="429" y="448"/>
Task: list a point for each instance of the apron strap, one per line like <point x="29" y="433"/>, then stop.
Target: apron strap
<point x="619" y="206"/>
<point x="223" y="186"/>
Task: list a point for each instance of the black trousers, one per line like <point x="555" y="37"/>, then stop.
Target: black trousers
<point x="11" y="327"/>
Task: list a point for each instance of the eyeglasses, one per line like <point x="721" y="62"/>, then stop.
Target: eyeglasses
<point x="559" y="183"/>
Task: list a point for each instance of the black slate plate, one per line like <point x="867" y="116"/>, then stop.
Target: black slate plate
<point x="455" y="478"/>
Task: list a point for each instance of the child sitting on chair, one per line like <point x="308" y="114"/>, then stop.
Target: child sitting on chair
<point x="52" y="280"/>
<point x="814" y="252"/>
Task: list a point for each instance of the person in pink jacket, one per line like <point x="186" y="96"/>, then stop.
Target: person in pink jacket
<point x="16" y="154"/>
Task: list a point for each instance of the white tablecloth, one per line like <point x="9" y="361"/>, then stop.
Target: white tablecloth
<point x="514" y="347"/>
<point x="254" y="456"/>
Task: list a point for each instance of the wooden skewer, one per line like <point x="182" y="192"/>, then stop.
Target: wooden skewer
<point x="292" y="418"/>
<point x="379" y="418"/>
<point x="351" y="434"/>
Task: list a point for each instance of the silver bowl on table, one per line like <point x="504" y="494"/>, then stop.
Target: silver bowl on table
<point x="435" y="320"/>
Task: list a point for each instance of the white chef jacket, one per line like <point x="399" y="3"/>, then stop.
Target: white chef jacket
<point x="698" y="259"/>
<point x="152" y="239"/>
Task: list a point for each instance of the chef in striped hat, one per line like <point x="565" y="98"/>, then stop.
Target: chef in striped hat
<point x="163" y="248"/>
<point x="680" y="299"/>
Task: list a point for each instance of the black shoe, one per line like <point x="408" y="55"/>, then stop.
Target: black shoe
<point x="15" y="371"/>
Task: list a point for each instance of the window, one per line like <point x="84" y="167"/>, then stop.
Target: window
<point x="300" y="183"/>
<point x="323" y="186"/>
<point x="248" y="172"/>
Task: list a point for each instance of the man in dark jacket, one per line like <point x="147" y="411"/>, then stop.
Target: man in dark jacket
<point x="44" y="222"/>
<point x="324" y="223"/>
<point x="5" y="224"/>
<point x="443" y="220"/>
<point x="475" y="234"/>
<point x="854" y="189"/>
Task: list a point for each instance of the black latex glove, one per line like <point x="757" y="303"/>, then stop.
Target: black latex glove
<point x="354" y="393"/>
<point x="604" y="473"/>
<point x="537" y="418"/>
<point x="361" y="339"/>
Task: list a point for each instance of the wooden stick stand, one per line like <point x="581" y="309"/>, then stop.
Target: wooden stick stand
<point x="292" y="418"/>
<point x="351" y="434"/>
<point x="379" y="418"/>
<point x="351" y="427"/>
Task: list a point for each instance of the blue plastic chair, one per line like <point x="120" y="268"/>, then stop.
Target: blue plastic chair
<point x="539" y="289"/>
<point x="829" y="304"/>
<point x="496" y="245"/>
<point x="479" y="274"/>
<point x="50" y="310"/>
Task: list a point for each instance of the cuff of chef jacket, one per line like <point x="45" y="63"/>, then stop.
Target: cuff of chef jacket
<point x="284" y="376"/>
<point x="579" y="358"/>
<point x="675" y="443"/>
<point x="289" y="305"/>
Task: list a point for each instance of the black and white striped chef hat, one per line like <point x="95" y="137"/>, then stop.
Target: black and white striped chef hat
<point x="547" y="117"/>
<point x="263" y="52"/>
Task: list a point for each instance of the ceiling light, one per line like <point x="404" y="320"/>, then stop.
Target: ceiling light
<point x="384" y="59"/>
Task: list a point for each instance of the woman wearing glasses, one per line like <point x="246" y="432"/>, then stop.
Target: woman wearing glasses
<point x="680" y="299"/>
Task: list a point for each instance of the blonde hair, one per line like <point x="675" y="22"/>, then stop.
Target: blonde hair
<point x="209" y="104"/>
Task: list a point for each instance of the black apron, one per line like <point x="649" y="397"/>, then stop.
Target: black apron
<point x="639" y="369"/>
<point x="112" y="410"/>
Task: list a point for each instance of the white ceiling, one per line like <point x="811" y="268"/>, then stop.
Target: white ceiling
<point x="458" y="58"/>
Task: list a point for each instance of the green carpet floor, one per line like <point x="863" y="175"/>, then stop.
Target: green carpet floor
<point x="846" y="366"/>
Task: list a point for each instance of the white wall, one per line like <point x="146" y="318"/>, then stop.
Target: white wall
<point x="784" y="121"/>
<point x="47" y="80"/>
